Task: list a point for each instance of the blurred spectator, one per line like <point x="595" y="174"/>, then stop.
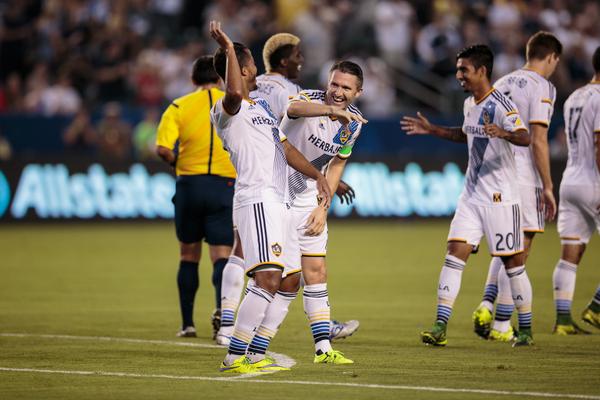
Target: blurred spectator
<point x="5" y="149"/>
<point x="12" y="94"/>
<point x="114" y="134"/>
<point x="111" y="70"/>
<point x="80" y="135"/>
<point x="437" y="45"/>
<point x="144" y="135"/>
<point x="393" y="19"/>
<point x="60" y="98"/>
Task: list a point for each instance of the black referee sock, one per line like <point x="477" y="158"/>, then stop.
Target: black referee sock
<point x="187" y="282"/>
<point x="217" y="278"/>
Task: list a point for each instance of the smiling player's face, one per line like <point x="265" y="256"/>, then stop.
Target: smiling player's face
<point x="342" y="89"/>
<point x="467" y="75"/>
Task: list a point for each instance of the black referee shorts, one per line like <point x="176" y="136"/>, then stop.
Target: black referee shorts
<point x="203" y="209"/>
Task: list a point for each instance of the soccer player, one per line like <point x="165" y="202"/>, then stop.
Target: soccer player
<point x="186" y="139"/>
<point x="324" y="126"/>
<point x="283" y="61"/>
<point x="534" y="97"/>
<point x="259" y="152"/>
<point x="579" y="207"/>
<point x="489" y="203"/>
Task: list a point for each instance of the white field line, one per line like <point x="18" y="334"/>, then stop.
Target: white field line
<point x="312" y="383"/>
<point x="281" y="359"/>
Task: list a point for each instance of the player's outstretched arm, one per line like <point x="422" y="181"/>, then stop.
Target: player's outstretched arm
<point x="422" y="126"/>
<point x="298" y="109"/>
<point x="233" y="76"/>
<point x="297" y="161"/>
<point x="519" y="137"/>
<point x="541" y="158"/>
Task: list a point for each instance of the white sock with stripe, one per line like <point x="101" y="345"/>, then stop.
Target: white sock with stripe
<point x="231" y="291"/>
<point x="563" y="281"/>
<point x="448" y="286"/>
<point x="491" y="284"/>
<point x="250" y="315"/>
<point x="318" y="311"/>
<point x="522" y="294"/>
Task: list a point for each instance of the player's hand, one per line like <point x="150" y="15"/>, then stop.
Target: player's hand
<point x="220" y="37"/>
<point x="494" y="131"/>
<point x="345" y="192"/>
<point x="416" y="126"/>
<point x="324" y="196"/>
<point x="549" y="204"/>
<point x="345" y="117"/>
<point x="315" y="225"/>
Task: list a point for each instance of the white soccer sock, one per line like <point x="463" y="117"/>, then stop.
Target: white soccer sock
<point x="250" y="315"/>
<point x="276" y="313"/>
<point x="318" y="311"/>
<point x="505" y="304"/>
<point x="563" y="281"/>
<point x="491" y="284"/>
<point x="231" y="290"/>
<point x="522" y="294"/>
<point x="448" y="286"/>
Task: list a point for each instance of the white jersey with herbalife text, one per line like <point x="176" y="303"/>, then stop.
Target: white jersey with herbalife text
<point x="582" y="123"/>
<point x="491" y="174"/>
<point x="534" y="97"/>
<point x="319" y="139"/>
<point x="277" y="90"/>
<point x="253" y="141"/>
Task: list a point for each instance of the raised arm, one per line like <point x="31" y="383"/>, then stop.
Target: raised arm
<point x="297" y="161"/>
<point x="233" y="76"/>
<point x="422" y="126"/>
<point x="298" y="109"/>
<point x="541" y="158"/>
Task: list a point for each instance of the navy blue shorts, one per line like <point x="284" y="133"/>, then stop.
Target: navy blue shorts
<point x="203" y="209"/>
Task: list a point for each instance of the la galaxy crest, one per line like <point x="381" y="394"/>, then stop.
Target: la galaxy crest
<point x="344" y="134"/>
<point x="487" y="113"/>
<point x="276" y="249"/>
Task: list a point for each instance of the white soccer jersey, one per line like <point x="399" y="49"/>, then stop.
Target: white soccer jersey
<point x="319" y="139"/>
<point x="491" y="173"/>
<point x="253" y="141"/>
<point x="534" y="97"/>
<point x="277" y="90"/>
<point x="582" y="123"/>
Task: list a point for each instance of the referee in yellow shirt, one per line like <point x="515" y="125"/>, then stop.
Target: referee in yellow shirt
<point x="203" y="198"/>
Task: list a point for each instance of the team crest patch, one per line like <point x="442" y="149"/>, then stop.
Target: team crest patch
<point x="497" y="197"/>
<point x="276" y="249"/>
<point x="344" y="134"/>
<point x="487" y="113"/>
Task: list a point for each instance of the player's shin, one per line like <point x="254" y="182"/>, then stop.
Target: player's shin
<point x="505" y="305"/>
<point x="491" y="284"/>
<point x="522" y="296"/>
<point x="250" y="315"/>
<point x="231" y="290"/>
<point x="275" y="315"/>
<point x="448" y="287"/>
<point x="317" y="309"/>
<point x="187" y="283"/>
<point x="563" y="282"/>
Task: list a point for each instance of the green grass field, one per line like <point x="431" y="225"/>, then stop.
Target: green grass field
<point x="119" y="281"/>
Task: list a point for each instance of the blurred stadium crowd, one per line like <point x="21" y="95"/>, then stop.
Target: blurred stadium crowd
<point x="65" y="57"/>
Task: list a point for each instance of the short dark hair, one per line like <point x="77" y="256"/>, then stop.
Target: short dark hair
<point x="542" y="44"/>
<point x="203" y="71"/>
<point x="349" y="67"/>
<point x="220" y="58"/>
<point x="596" y="60"/>
<point x="280" y="54"/>
<point x="480" y="55"/>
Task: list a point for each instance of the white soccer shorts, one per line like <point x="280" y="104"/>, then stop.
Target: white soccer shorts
<point x="261" y="227"/>
<point x="578" y="215"/>
<point x="532" y="208"/>
<point x="501" y="225"/>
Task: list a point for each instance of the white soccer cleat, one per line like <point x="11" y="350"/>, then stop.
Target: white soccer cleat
<point x="222" y="340"/>
<point x="341" y="330"/>
<point x="188" y="331"/>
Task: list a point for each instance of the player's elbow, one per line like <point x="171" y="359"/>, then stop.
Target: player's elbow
<point x="234" y="95"/>
<point x="523" y="138"/>
<point x="293" y="109"/>
<point x="163" y="152"/>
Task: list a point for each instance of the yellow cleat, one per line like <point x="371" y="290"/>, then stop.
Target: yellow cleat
<point x="507" y="336"/>
<point x="267" y="364"/>
<point x="436" y="336"/>
<point x="239" y="366"/>
<point x="569" y="329"/>
<point x="482" y="322"/>
<point x="332" y="357"/>
<point x="591" y="317"/>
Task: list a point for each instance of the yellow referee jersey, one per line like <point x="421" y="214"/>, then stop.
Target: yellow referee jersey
<point x="187" y="119"/>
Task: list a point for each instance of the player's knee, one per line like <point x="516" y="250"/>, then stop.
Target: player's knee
<point x="268" y="280"/>
<point x="190" y="251"/>
<point x="459" y="250"/>
<point x="290" y="283"/>
<point x="515" y="260"/>
<point x="572" y="253"/>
